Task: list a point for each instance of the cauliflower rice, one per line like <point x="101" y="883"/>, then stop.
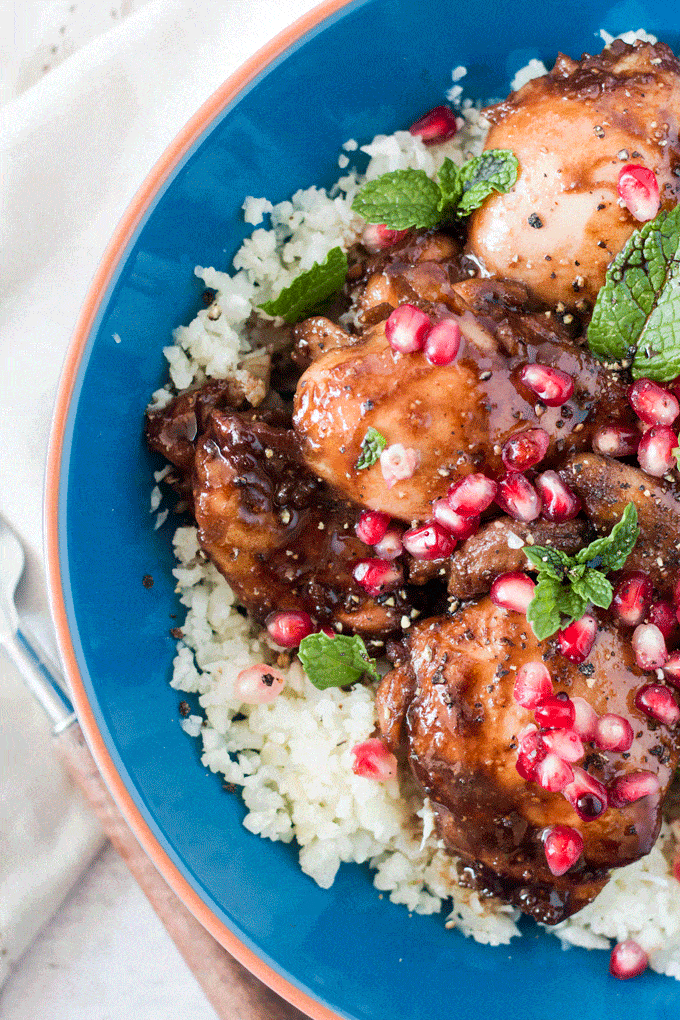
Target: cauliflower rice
<point x="291" y="757"/>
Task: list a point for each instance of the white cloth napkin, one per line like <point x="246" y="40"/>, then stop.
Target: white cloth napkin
<point x="74" y="148"/>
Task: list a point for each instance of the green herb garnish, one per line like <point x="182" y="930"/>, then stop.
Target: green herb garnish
<point x="372" y="445"/>
<point x="567" y="585"/>
<point x="636" y="319"/>
<point x="335" y="661"/>
<point x="676" y="454"/>
<point x="409" y="198"/>
<point x="310" y="289"/>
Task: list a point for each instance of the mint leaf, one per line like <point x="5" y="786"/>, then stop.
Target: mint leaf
<point x="372" y="445"/>
<point x="335" y="661"/>
<point x="494" y="170"/>
<point x="310" y="289"/>
<point x="594" y="587"/>
<point x="637" y="312"/>
<point x="548" y="561"/>
<point x="400" y="199"/>
<point x="543" y="612"/>
<point x="676" y="454"/>
<point x="612" y="551"/>
<point x="450" y="183"/>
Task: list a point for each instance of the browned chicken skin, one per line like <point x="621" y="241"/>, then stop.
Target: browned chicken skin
<point x="452" y="704"/>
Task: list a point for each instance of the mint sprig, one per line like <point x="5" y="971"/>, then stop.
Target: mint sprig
<point x="636" y="319"/>
<point x="567" y="585"/>
<point x="310" y="289"/>
<point x="372" y="445"/>
<point x="409" y="198"/>
<point x="335" y="661"/>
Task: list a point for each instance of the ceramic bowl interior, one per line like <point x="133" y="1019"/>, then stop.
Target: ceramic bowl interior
<point x="369" y="67"/>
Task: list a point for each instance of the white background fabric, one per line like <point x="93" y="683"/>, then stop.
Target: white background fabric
<point x="92" y="94"/>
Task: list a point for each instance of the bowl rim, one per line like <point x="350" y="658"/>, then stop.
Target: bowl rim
<point x="113" y="254"/>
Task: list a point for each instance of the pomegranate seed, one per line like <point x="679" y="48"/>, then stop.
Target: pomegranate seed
<point x="371" y="526"/>
<point x="655" y="452"/>
<point x="429" y="542"/>
<point x="472" y="495"/>
<point x="566" y="744"/>
<point x="676" y="594"/>
<point x="576" y="640"/>
<point x="658" y="702"/>
<point x="587" y="795"/>
<point x="652" y="403"/>
<point x="459" y="525"/>
<point x="585" y="718"/>
<point x="555" y="714"/>
<point x="616" y="441"/>
<point x="628" y="960"/>
<point x="377" y="576"/>
<point x="376" y="237"/>
<point x="649" y="646"/>
<point x="551" y="385"/>
<point x="390" y="545"/>
<point x="517" y="496"/>
<point x="289" y="628"/>
<point x="442" y="342"/>
<point x="559" y="502"/>
<point x="512" y="591"/>
<point x="613" y="733"/>
<point x="532" y="750"/>
<point x="563" y="846"/>
<point x="533" y="684"/>
<point x="257" y="685"/>
<point x="639" y="189"/>
<point x="398" y="462"/>
<point x="632" y="598"/>
<point x="553" y="774"/>
<point x="372" y="760"/>
<point x="525" y="449"/>
<point x="631" y="787"/>
<point x="436" y="125"/>
<point x="671" y="668"/>
<point x="406" y="328"/>
<point x="663" y="616"/>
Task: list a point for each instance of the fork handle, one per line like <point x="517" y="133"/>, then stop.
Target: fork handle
<point x="39" y="681"/>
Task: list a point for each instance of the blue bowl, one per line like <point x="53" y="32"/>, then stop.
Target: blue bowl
<point x="369" y="66"/>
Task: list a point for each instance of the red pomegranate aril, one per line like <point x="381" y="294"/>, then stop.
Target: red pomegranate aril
<point x="576" y="640"/>
<point x="406" y="328"/>
<point x="585" y="718"/>
<point x="657" y="701"/>
<point x="676" y="594"/>
<point x="371" y="526"/>
<point x="512" y="591"/>
<point x="376" y="237"/>
<point x="587" y="795"/>
<point x="616" y="441"/>
<point x="566" y="744"/>
<point x="652" y="403"/>
<point x="671" y="668"/>
<point x="517" y="496"/>
<point x="628" y="960"/>
<point x="555" y="713"/>
<point x="472" y="495"/>
<point x="639" y="189"/>
<point x="289" y="628"/>
<point x="372" y="760"/>
<point x="390" y="545"/>
<point x="662" y="615"/>
<point x="551" y="385"/>
<point x="552" y="773"/>
<point x="613" y="733"/>
<point x="442" y="342"/>
<point x="563" y="846"/>
<point x="258" y="685"/>
<point x="649" y="646"/>
<point x="631" y="787"/>
<point x="459" y="525"/>
<point x="378" y="576"/>
<point x="525" y="449"/>
<point x="437" y="125"/>
<point x="655" y="452"/>
<point x="532" y="685"/>
<point x="559" y="503"/>
<point x="632" y="598"/>
<point x="429" y="542"/>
